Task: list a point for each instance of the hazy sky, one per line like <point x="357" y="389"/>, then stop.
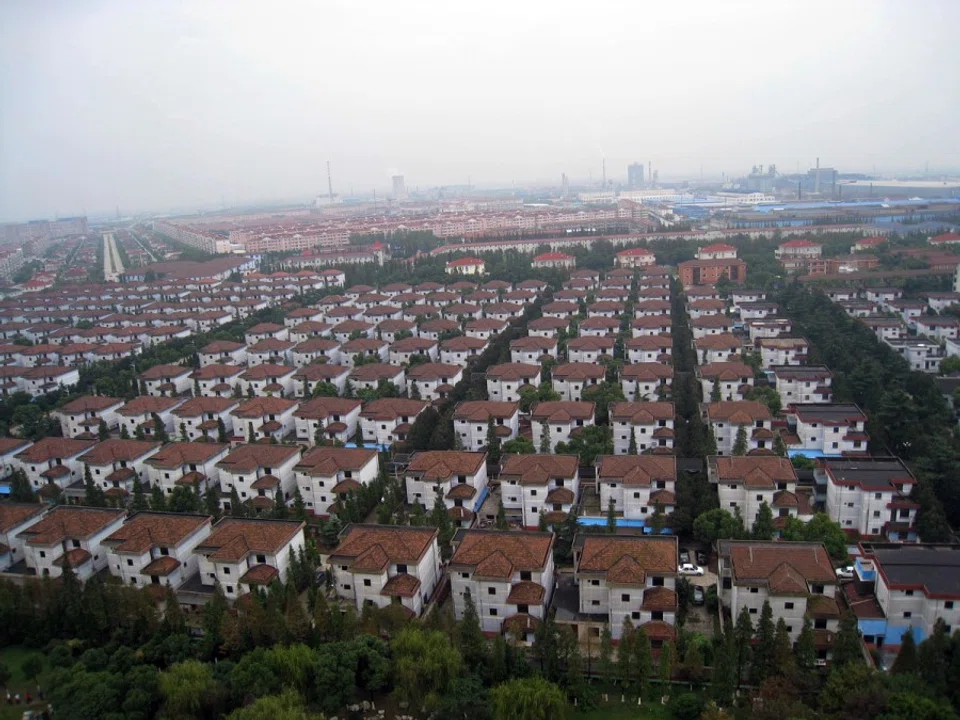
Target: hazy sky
<point x="155" y="103"/>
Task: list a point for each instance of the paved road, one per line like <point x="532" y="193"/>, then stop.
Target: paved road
<point x="112" y="267"/>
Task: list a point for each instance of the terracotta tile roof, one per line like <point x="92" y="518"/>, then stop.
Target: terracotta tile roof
<point x="538" y="469"/>
<point x="392" y="408"/>
<point x="563" y="411"/>
<point x="74" y="558"/>
<point x="146" y="404"/>
<point x="641" y="413"/>
<point x="247" y="458"/>
<point x="434" y="371"/>
<point x="443" y="465"/>
<point x="659" y="630"/>
<point x="561" y="496"/>
<point x="9" y="445"/>
<point x="262" y="406"/>
<point x="628" y="560"/>
<point x="373" y="547"/>
<point x="321" y="372"/>
<point x="114" y="450"/>
<point x="260" y="575"/>
<point x="822" y="606"/>
<point x="147" y="530"/>
<point x="481" y="410"/>
<point x="663" y="342"/>
<point x="725" y="371"/>
<point x="65" y="522"/>
<point x="526" y="592"/>
<point x="513" y="371"/>
<point x="520" y="624"/>
<point x="463" y="342"/>
<point x="591" y="342"/>
<point x="345" y="486"/>
<point x="199" y="406"/>
<point x="13" y="514"/>
<point x="164" y="372"/>
<point x="328" y="461"/>
<point x="376" y="371"/>
<point x="320" y="408"/>
<point x="754" y="471"/>
<point x="54" y="448"/>
<point x="267" y="370"/>
<point x="659" y="598"/>
<point x="89" y="403"/>
<point x="401" y="585"/>
<point x="234" y="539"/>
<point x="161" y="567"/>
<point x="500" y="554"/>
<point x="270" y="345"/>
<point x="637" y="470"/>
<point x="579" y="371"/>
<point x="738" y="412"/>
<point x="723" y="341"/>
<point x="786" y="568"/>
<point x="534" y="342"/>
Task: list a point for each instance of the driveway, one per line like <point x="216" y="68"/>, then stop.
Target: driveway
<point x="699" y="620"/>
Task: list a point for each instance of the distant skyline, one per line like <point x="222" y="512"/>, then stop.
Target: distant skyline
<point x="156" y="105"/>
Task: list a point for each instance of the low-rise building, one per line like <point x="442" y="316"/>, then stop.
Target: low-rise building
<point x="371" y="375"/>
<point x="325" y="474"/>
<point x="634" y="258"/>
<point x="649" y="348"/>
<point x="725" y="347"/>
<point x="744" y="484"/>
<point x="459" y="477"/>
<point x="70" y="536"/>
<point x="646" y="381"/>
<point x="533" y="349"/>
<point x="385" y="565"/>
<point x="535" y="485"/>
<point x="803" y="383"/>
<point x="335" y="418"/>
<point x="621" y="577"/>
<point x="82" y="417"/>
<point x="166" y="380"/>
<point x="388" y="420"/>
<point x="203" y="417"/>
<point x="471" y="420"/>
<point x="259" y="474"/>
<point x="146" y="415"/>
<point x="242" y="554"/>
<point x="264" y="418"/>
<point x="829" y="429"/>
<point x="15" y="518"/>
<point x="509" y="576"/>
<point x="115" y="464"/>
<point x="553" y="422"/>
<point x="571" y="379"/>
<point x="216" y="380"/>
<point x="651" y="325"/>
<point x="650" y="424"/>
<point x="725" y="380"/>
<point x="938" y="327"/>
<point x="921" y="355"/>
<point x="461" y="349"/>
<point x="796" y="578"/>
<point x="505" y="381"/>
<point x="433" y="381"/>
<point x="727" y="417"/>
<point x="268" y="380"/>
<point x="156" y="548"/>
<point x="782" y="351"/>
<point x="590" y="349"/>
<point x="187" y="464"/>
<point x="638" y="485"/>
<point x="870" y="496"/>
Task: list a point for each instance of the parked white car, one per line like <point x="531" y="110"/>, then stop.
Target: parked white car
<point x="690" y="569"/>
<point x="845" y="573"/>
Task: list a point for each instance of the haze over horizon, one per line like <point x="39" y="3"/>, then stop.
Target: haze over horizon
<point x="151" y="105"/>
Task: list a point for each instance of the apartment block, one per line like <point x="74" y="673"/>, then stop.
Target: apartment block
<point x="535" y="485"/>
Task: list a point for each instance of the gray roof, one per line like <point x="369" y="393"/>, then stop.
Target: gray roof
<point x="933" y="567"/>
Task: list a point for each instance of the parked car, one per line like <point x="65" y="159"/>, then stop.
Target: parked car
<point x="684" y="556"/>
<point x="701" y="558"/>
<point x="688" y="568"/>
<point x="845" y="572"/>
<point x="698" y="595"/>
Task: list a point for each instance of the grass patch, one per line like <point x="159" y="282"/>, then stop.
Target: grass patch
<point x="13" y="658"/>
<point x="615" y="710"/>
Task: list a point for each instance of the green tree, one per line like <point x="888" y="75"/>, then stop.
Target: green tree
<point x="288" y="705"/>
<point x="546" y="447"/>
<point x="501" y="522"/>
<point x="603" y="394"/>
<point x="723" y="681"/>
<point x="20" y="490"/>
<point x="139" y="502"/>
<point x="743" y="642"/>
<point x="763" y="527"/>
<point x="221" y="431"/>
<point x="158" y="501"/>
<point x="783" y="660"/>
<point x="847" y="649"/>
<point x="642" y="660"/>
<point x="666" y="661"/>
<point x="625" y="656"/>
<point x="280" y="509"/>
<point x="32" y="666"/>
<point x="605" y="664"/>
<point x="764" y="645"/>
<point x="440" y="519"/>
<point x="906" y="662"/>
<point x="186" y="688"/>
<point x="159" y="429"/>
<point x="124" y="433"/>
<point x="519" y="446"/>
<point x="717" y="524"/>
<point x="632" y="447"/>
<point x="299" y="506"/>
<point x="611" y="517"/>
<point x="493" y="442"/>
<point x="806" y="647"/>
<point x="473" y="645"/>
<point x="715" y="391"/>
<point x="531" y="698"/>
<point x="425" y="663"/>
<point x="103" y="432"/>
<point x="93" y="495"/>
<point x="211" y="502"/>
<point x="779" y="446"/>
<point x="591" y="442"/>
<point x="740" y="444"/>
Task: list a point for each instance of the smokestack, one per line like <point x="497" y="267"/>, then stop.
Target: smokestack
<point x="650" y="171"/>
<point x="329" y="182"/>
<point x="816" y="179"/>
